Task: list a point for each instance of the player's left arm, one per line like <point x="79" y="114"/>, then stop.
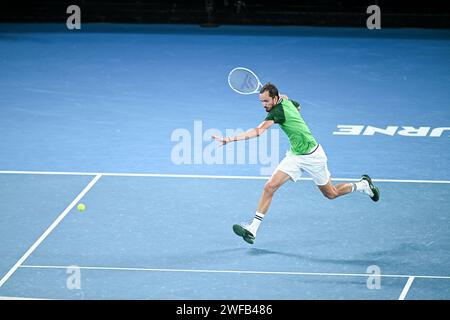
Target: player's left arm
<point x="252" y="133"/>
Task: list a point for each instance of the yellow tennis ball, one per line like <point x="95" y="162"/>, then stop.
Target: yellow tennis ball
<point x="81" y="207"/>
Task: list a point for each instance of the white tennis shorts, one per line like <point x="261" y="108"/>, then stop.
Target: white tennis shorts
<point x="315" y="164"/>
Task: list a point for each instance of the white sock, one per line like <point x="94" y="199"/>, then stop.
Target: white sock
<point x="362" y="186"/>
<point x="253" y="227"/>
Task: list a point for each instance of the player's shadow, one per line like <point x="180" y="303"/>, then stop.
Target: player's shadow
<point x="297" y="256"/>
<point x="304" y="257"/>
<point x="388" y="257"/>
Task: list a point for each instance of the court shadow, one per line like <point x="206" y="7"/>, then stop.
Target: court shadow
<point x="297" y="256"/>
<point x="401" y="249"/>
<point x="305" y="257"/>
<point x="388" y="257"/>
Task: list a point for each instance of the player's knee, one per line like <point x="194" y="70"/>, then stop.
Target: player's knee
<point x="270" y="187"/>
<point x="330" y="195"/>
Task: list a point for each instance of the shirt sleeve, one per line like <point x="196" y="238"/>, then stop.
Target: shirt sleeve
<point x="269" y="117"/>
<point x="296" y="104"/>
<point x="276" y="114"/>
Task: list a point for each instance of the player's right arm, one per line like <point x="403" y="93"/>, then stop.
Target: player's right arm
<point x="296" y="104"/>
<point x="252" y="133"/>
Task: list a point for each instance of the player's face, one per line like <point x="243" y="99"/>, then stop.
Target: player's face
<point x="267" y="101"/>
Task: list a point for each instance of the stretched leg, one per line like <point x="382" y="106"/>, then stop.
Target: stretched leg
<point x="276" y="181"/>
<point x="249" y="232"/>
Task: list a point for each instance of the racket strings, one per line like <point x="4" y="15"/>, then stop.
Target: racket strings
<point x="243" y="81"/>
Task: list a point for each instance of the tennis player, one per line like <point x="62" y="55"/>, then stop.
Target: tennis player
<point x="305" y="155"/>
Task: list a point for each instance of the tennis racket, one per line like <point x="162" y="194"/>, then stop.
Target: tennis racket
<point x="244" y="81"/>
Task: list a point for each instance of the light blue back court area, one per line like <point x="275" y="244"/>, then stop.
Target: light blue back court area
<point x="119" y="117"/>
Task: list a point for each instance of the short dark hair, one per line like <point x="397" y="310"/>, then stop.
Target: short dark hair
<point x="271" y="88"/>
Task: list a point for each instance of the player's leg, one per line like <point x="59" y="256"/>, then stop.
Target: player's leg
<point x="288" y="168"/>
<point x="333" y="191"/>
<point x="316" y="164"/>
<point x="274" y="183"/>
<point x="364" y="185"/>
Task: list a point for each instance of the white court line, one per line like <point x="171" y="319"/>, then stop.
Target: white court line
<point x="49" y="173"/>
<point x="241" y="272"/>
<point x="49" y="229"/>
<point x="406" y="288"/>
<point x="164" y="175"/>
<point x="21" y="298"/>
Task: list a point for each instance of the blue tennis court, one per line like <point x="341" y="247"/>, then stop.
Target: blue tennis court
<point x="119" y="117"/>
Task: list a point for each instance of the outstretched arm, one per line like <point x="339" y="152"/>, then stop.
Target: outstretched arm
<point x="252" y="133"/>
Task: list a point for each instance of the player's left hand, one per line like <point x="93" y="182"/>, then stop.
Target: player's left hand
<point x="221" y="140"/>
